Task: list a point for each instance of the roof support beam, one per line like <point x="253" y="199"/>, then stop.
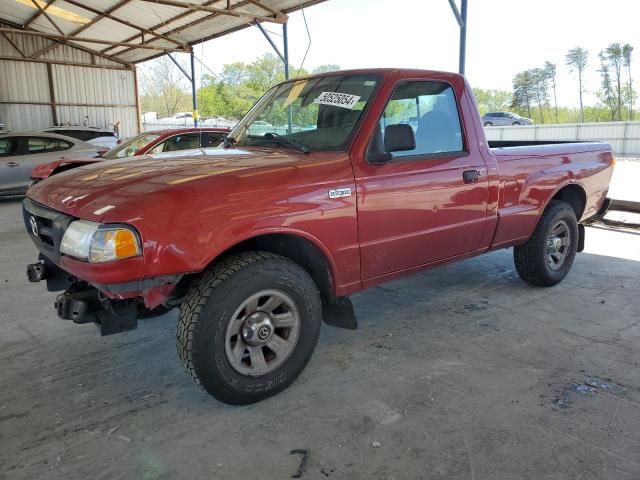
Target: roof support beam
<point x="270" y="40"/>
<point x="62" y="62"/>
<point x="84" y="27"/>
<point x="107" y="14"/>
<point x="278" y="18"/>
<point x="43" y="12"/>
<point x="66" y="39"/>
<point x="266" y="8"/>
<point x="14" y="44"/>
<point x="184" y="72"/>
<point x="461" y="18"/>
<point x="456" y="12"/>
<point x="38" y="13"/>
<point x="165" y="24"/>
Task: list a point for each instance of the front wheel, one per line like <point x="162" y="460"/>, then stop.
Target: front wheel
<point x="248" y="327"/>
<point x="488" y="124"/>
<point x="547" y="256"/>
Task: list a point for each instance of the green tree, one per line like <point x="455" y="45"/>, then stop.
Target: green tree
<point x="164" y="88"/>
<point x="523" y="92"/>
<point x="540" y="89"/>
<point x="550" y="71"/>
<point x="492" y="100"/>
<point x="612" y="62"/>
<point x="606" y="94"/>
<point x="240" y="85"/>
<point x="627" y="51"/>
<point x="577" y="59"/>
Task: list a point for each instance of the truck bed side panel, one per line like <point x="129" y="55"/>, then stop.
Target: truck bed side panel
<point x="531" y="176"/>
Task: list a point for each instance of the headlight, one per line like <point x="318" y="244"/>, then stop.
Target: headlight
<point x="99" y="243"/>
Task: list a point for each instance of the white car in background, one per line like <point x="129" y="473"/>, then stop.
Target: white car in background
<point x="21" y="152"/>
<point x="100" y="137"/>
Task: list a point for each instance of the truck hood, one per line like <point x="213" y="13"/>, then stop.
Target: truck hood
<point x="103" y="189"/>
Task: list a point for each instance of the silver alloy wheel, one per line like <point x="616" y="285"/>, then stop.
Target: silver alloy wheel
<point x="262" y="332"/>
<point x="558" y="243"/>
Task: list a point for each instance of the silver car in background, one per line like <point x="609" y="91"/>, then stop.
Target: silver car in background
<point x="21" y="152"/>
<point x="100" y="137"/>
<point x="502" y="119"/>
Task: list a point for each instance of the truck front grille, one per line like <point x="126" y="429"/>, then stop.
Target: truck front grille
<point x="46" y="227"/>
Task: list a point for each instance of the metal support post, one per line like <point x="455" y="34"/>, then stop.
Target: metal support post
<point x="193" y="91"/>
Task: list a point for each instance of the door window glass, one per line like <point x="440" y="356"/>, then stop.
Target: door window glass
<point x="178" y="142"/>
<point x="8" y="146"/>
<point x="431" y="111"/>
<point x="46" y="144"/>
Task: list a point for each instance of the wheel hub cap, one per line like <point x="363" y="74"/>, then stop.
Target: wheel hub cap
<point x="262" y="332"/>
<point x="558" y="244"/>
<point x="257" y="329"/>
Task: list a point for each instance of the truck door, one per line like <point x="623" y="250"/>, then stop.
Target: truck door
<point x="425" y="204"/>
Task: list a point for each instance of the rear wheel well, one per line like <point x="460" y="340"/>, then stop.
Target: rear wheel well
<point x="575" y="196"/>
<point x="298" y="249"/>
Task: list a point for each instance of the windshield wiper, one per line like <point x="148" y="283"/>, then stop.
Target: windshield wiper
<point x="286" y="141"/>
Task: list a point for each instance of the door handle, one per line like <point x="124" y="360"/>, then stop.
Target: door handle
<point x="470" y="176"/>
<point x="13" y="164"/>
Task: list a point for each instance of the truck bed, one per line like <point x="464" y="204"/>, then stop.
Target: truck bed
<point x="522" y="165"/>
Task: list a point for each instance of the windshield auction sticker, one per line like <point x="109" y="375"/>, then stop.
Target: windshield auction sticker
<point x="336" y="99"/>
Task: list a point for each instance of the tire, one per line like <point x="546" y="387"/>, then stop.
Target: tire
<point x="215" y="306"/>
<point x="488" y="124"/>
<point x="516" y="124"/>
<point x="534" y="262"/>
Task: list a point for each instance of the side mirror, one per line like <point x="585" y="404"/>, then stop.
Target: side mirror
<point x="399" y="138"/>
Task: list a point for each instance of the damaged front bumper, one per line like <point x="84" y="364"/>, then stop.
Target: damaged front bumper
<point x="112" y="307"/>
<point x="100" y="293"/>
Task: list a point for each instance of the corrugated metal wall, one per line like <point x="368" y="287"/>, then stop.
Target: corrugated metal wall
<point x="97" y="97"/>
<point x="624" y="137"/>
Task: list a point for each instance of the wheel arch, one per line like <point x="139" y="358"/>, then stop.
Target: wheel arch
<point x="572" y="193"/>
<point x="305" y="250"/>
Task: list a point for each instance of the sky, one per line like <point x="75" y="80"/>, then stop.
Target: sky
<point x="504" y="37"/>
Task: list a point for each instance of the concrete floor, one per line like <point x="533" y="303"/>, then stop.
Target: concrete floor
<point x="461" y="372"/>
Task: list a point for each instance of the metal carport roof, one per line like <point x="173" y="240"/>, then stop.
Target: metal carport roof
<point x="131" y="31"/>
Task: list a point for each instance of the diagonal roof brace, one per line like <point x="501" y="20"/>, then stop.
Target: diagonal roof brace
<point x="270" y="40"/>
<point x="107" y="14"/>
<point x="279" y="17"/>
<point x="456" y="13"/>
<point x="184" y="72"/>
<point x="66" y="39"/>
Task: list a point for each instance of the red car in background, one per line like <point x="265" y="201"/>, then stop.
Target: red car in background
<point x="145" y="143"/>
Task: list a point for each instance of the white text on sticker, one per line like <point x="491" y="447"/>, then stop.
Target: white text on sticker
<point x="344" y="100"/>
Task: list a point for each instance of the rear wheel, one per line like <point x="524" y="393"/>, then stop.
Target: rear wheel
<point x="249" y="326"/>
<point x="547" y="256"/>
<point x="488" y="124"/>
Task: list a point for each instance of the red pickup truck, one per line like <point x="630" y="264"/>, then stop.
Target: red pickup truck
<point x="330" y="184"/>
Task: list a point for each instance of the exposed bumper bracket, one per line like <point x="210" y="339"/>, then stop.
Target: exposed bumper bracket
<point x="85" y="306"/>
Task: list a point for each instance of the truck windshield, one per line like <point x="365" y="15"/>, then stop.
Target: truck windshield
<point x="131" y="146"/>
<point x="312" y="114"/>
